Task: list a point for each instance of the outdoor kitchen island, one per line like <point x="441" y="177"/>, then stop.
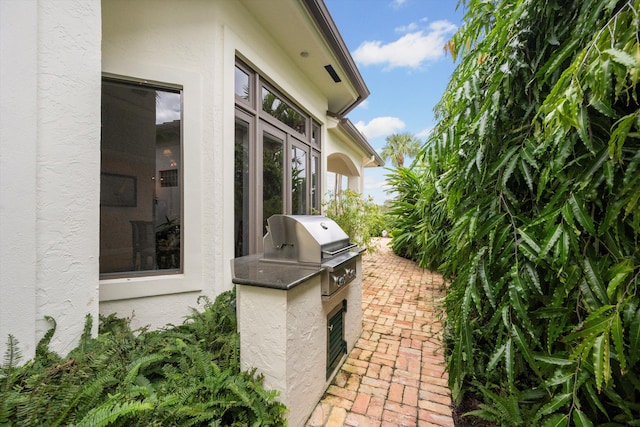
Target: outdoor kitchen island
<point x="298" y="319"/>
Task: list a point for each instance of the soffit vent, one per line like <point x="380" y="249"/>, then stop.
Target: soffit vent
<point x="332" y="73"/>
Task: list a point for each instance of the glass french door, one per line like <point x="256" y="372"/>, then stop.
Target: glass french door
<point x="274" y="173"/>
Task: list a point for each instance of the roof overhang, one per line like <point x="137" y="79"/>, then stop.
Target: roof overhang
<point x="347" y="129"/>
<point x="305" y="30"/>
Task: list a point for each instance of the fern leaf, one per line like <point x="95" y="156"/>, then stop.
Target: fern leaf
<point x="109" y="412"/>
<point x="86" y="391"/>
<point x="12" y="357"/>
<point x="134" y="367"/>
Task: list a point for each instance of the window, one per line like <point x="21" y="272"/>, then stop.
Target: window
<point x="169" y="178"/>
<point x="140" y="186"/>
<point x="315" y="183"/>
<point x="277" y="159"/>
<point x="298" y="180"/>
<point x="242" y="84"/>
<point x="273" y="105"/>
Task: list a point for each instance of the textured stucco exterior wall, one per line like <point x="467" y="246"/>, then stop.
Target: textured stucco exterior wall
<point x="50" y="168"/>
<point x="52" y="57"/>
<point x="18" y="103"/>
<point x="284" y="335"/>
<point x="337" y="142"/>
<point x="194" y="47"/>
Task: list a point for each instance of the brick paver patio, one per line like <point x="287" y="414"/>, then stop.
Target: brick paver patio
<point x="394" y="376"/>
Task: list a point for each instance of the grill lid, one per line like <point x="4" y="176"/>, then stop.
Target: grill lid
<point x="304" y="238"/>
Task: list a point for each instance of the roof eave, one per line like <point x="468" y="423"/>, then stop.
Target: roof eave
<point x="321" y="16"/>
<point x="348" y="127"/>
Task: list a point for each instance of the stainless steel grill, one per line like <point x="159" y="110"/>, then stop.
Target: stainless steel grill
<point x="315" y="240"/>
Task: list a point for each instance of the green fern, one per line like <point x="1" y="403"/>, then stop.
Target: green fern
<point x="180" y="375"/>
<point x="110" y="411"/>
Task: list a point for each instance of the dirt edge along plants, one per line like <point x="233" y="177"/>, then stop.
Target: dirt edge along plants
<point x="528" y="191"/>
<point x="184" y="375"/>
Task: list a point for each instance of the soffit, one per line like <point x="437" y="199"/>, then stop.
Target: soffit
<point x="291" y="25"/>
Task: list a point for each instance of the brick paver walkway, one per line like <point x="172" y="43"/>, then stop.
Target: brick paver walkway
<point x="394" y="376"/>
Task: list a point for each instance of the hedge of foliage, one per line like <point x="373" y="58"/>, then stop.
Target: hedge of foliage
<point x="527" y="199"/>
<point x="186" y="375"/>
<point x="358" y="216"/>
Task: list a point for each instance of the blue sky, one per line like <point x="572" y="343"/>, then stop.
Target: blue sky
<point x="398" y="47"/>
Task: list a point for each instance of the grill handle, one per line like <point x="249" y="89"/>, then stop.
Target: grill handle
<point x="339" y="251"/>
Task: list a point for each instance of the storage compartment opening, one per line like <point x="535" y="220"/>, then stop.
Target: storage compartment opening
<point x="336" y="344"/>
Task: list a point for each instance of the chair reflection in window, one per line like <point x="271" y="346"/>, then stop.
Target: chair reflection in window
<point x="144" y="245"/>
<point x="168" y="244"/>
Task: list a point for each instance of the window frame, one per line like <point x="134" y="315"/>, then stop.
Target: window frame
<point x="113" y="289"/>
<point x="261" y="120"/>
<point x="157" y="86"/>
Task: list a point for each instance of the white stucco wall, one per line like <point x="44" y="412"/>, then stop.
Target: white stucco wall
<point x="52" y="58"/>
<point x="283" y="333"/>
<point x="337" y="142"/>
<point x="49" y="168"/>
<point x="194" y="47"/>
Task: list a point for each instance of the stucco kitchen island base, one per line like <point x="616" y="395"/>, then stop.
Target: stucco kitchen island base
<point x="283" y="334"/>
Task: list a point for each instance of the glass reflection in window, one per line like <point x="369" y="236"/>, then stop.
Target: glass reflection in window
<point x="282" y="111"/>
<point x="140" y="186"/>
<point x="272" y="177"/>
<point x="298" y="181"/>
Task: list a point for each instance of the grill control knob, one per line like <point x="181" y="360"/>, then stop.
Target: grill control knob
<point x="350" y="272"/>
<point x="341" y="281"/>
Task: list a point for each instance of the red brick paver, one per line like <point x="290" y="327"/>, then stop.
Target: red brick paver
<point x="394" y="376"/>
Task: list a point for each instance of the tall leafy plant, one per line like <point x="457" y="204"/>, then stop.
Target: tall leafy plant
<point x="418" y="221"/>
<point x="535" y="165"/>
<point x="358" y="216"/>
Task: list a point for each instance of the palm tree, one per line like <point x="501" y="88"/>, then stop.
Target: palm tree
<point x="398" y="146"/>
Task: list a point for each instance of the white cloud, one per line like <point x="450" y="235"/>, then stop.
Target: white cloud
<point x="424" y="134"/>
<point x="407" y="28"/>
<point x="411" y="50"/>
<point x="397" y="3"/>
<point x="375" y="183"/>
<point x="167" y="107"/>
<point x="380" y="126"/>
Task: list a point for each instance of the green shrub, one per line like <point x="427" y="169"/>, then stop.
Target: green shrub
<point x="360" y="218"/>
<point x="532" y="170"/>
<point x="181" y="375"/>
<point x="419" y="225"/>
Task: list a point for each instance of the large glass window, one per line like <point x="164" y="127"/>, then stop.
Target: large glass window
<point x="242" y="189"/>
<point x="242" y="84"/>
<point x="272" y="175"/>
<point x="140" y="181"/>
<point x="298" y="181"/>
<point x="315" y="183"/>
<point x="275" y="106"/>
<point x="277" y="163"/>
